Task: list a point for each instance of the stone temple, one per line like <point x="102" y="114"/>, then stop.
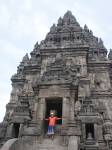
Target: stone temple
<point x="70" y="73"/>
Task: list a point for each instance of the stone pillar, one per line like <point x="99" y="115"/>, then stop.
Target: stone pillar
<point x="36" y="107"/>
<point x="9" y="133"/>
<point x="41" y="115"/>
<point x="41" y="109"/>
<point x="21" y="130"/>
<point x="72" y="108"/>
<point x="83" y="132"/>
<point x="73" y="143"/>
<point x="65" y="110"/>
<point x="96" y="132"/>
<point x="100" y="133"/>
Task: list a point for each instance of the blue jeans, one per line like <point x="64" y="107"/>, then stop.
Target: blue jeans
<point x="50" y="130"/>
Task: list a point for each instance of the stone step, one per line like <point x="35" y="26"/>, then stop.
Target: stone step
<point x="26" y="144"/>
<point x="46" y="147"/>
<point x="48" y="144"/>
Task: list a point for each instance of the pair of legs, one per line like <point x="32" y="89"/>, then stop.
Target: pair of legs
<point x="50" y="132"/>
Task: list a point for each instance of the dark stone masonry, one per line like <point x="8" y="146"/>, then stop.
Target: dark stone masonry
<point x="70" y="73"/>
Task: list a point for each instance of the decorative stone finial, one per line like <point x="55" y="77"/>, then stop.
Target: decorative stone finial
<point x="100" y="41"/>
<point x="110" y="54"/>
<point x="100" y="44"/>
<point x="53" y="28"/>
<point x="86" y="28"/>
<point x="36" y="46"/>
<point x="91" y="32"/>
<point x="60" y="21"/>
<point x="25" y="58"/>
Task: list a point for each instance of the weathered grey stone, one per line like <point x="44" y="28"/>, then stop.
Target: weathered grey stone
<point x="68" y="72"/>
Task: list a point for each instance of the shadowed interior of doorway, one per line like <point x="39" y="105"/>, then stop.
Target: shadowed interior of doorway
<point x="54" y="104"/>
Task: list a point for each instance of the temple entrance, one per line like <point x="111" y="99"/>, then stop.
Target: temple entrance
<point x="53" y="104"/>
<point x="15" y="132"/>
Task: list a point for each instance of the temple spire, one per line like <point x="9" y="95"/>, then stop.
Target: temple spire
<point x="86" y="28"/>
<point x="25" y="58"/>
<point x="69" y="18"/>
<point x="25" y="61"/>
<point x="60" y="22"/>
<point x="53" y="28"/>
<point x="100" y="43"/>
<point x="110" y="54"/>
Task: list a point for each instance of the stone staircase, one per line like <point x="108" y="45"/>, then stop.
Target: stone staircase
<point x="49" y="144"/>
<point x="43" y="144"/>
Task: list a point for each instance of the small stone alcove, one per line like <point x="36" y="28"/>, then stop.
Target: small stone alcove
<point x="15" y="131"/>
<point x="89" y="127"/>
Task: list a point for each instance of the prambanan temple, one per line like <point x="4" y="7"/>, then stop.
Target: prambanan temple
<point x="69" y="72"/>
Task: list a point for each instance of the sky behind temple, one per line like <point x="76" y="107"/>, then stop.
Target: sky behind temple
<point x="24" y="22"/>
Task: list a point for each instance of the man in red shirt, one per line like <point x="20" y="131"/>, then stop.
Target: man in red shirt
<point x="51" y="124"/>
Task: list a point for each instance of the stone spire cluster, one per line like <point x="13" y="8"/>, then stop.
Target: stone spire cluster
<point x="70" y="74"/>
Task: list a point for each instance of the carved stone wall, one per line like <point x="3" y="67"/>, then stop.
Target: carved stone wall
<point x="72" y="64"/>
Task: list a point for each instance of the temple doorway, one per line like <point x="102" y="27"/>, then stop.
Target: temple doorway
<point x="53" y="104"/>
<point x="15" y="132"/>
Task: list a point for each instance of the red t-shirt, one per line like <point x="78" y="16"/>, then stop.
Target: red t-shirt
<point x="52" y="121"/>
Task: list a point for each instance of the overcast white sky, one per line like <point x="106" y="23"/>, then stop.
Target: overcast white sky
<point x="24" y="22"/>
